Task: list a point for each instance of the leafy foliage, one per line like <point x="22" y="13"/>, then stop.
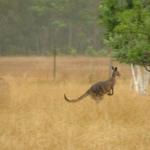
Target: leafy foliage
<point x="128" y="29"/>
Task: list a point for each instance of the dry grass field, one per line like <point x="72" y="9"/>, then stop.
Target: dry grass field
<point x="35" y="116"/>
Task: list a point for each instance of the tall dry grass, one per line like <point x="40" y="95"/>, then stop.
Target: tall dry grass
<point x="34" y="115"/>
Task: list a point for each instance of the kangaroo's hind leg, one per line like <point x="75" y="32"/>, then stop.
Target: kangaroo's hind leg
<point x="97" y="98"/>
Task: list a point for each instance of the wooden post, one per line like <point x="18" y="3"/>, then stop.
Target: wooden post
<point x="110" y="62"/>
<point x="54" y="53"/>
<point x="54" y="64"/>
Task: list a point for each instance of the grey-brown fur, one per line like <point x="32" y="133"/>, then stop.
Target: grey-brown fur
<point x="99" y="89"/>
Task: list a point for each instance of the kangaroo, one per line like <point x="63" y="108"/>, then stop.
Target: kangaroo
<point x="99" y="89"/>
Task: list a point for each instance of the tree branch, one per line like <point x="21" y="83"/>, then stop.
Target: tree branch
<point x="146" y="64"/>
<point x="147" y="68"/>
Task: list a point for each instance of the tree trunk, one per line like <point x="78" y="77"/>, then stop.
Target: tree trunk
<point x="146" y="79"/>
<point x="134" y="82"/>
<point x="110" y="63"/>
<point x="140" y="80"/>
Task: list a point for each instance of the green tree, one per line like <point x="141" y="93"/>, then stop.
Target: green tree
<point x="127" y="25"/>
<point x="128" y="29"/>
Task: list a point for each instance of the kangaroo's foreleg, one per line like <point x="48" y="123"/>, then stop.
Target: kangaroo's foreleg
<point x="111" y="92"/>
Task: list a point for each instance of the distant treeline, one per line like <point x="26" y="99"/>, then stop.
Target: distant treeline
<point x="40" y="26"/>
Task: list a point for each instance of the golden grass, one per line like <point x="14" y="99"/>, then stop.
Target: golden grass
<point x="34" y="115"/>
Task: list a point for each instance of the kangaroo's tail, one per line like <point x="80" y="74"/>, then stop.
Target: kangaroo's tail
<point x="78" y="99"/>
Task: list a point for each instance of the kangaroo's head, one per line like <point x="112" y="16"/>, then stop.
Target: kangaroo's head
<point x="115" y="72"/>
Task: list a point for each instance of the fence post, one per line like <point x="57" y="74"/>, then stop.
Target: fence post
<point x="54" y="63"/>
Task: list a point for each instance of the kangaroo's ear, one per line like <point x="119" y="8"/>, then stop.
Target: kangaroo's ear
<point x="115" y="68"/>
